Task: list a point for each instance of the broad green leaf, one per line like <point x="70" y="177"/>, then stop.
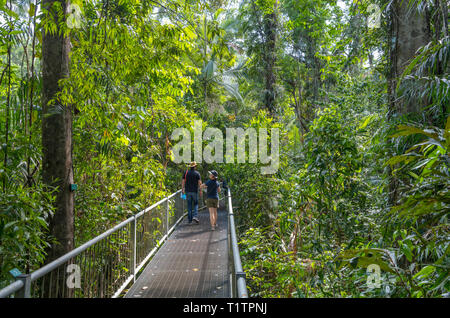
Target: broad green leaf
<point x="425" y="272"/>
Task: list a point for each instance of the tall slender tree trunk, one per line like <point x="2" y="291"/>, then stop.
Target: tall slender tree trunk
<point x="409" y="30"/>
<point x="313" y="63"/>
<point x="8" y="104"/>
<point x="29" y="181"/>
<point x="57" y="168"/>
<point x="270" y="30"/>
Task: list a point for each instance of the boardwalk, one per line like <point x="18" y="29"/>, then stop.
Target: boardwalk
<point x="193" y="262"/>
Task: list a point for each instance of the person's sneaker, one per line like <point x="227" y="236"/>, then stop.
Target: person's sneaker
<point x="196" y="220"/>
<point x="213" y="228"/>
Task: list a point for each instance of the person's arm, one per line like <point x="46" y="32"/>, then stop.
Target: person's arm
<point x="183" y="182"/>
<point x="200" y="186"/>
<point x="204" y="185"/>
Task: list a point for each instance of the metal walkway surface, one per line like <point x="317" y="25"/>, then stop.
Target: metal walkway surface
<point x="192" y="263"/>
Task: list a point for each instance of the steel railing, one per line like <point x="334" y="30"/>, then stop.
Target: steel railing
<point x="238" y="286"/>
<point x="107" y="264"/>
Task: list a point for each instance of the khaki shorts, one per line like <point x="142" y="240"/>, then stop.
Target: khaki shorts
<point x="212" y="203"/>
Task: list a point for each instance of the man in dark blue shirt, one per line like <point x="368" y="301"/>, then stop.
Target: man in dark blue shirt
<point x="190" y="185"/>
<point x="212" y="197"/>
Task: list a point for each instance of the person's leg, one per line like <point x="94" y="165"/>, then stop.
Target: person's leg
<point x="215" y="216"/>
<point x="190" y="203"/>
<point x="214" y="205"/>
<point x="195" y="208"/>
<point x="211" y="217"/>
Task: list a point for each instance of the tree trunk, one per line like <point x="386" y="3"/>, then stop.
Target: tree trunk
<point x="8" y="102"/>
<point x="409" y="30"/>
<point x="270" y="30"/>
<point x="57" y="170"/>
<point x="29" y="180"/>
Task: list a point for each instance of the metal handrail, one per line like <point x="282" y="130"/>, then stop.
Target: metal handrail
<point x="238" y="277"/>
<point x="24" y="281"/>
<point x="12" y="288"/>
<point x="23" y="287"/>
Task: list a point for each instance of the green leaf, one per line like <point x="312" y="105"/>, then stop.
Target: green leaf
<point x="407" y="251"/>
<point x="32" y="9"/>
<point x="366" y="122"/>
<point x="425" y="272"/>
<point x="10" y="224"/>
<point x="404" y="130"/>
<point x="401" y="158"/>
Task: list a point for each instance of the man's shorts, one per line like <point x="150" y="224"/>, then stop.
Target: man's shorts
<point x="212" y="203"/>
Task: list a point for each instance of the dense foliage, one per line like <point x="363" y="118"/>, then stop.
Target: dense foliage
<point x="361" y="181"/>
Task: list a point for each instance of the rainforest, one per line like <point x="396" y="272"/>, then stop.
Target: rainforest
<point x="338" y="164"/>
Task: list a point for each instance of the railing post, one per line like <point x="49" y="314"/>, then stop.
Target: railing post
<point x="182" y="207"/>
<point x="231" y="260"/>
<point x="133" y="248"/>
<point x="167" y="217"/>
<point x="230" y="250"/>
<point x="239" y="288"/>
<point x="240" y="277"/>
<point x="25" y="291"/>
